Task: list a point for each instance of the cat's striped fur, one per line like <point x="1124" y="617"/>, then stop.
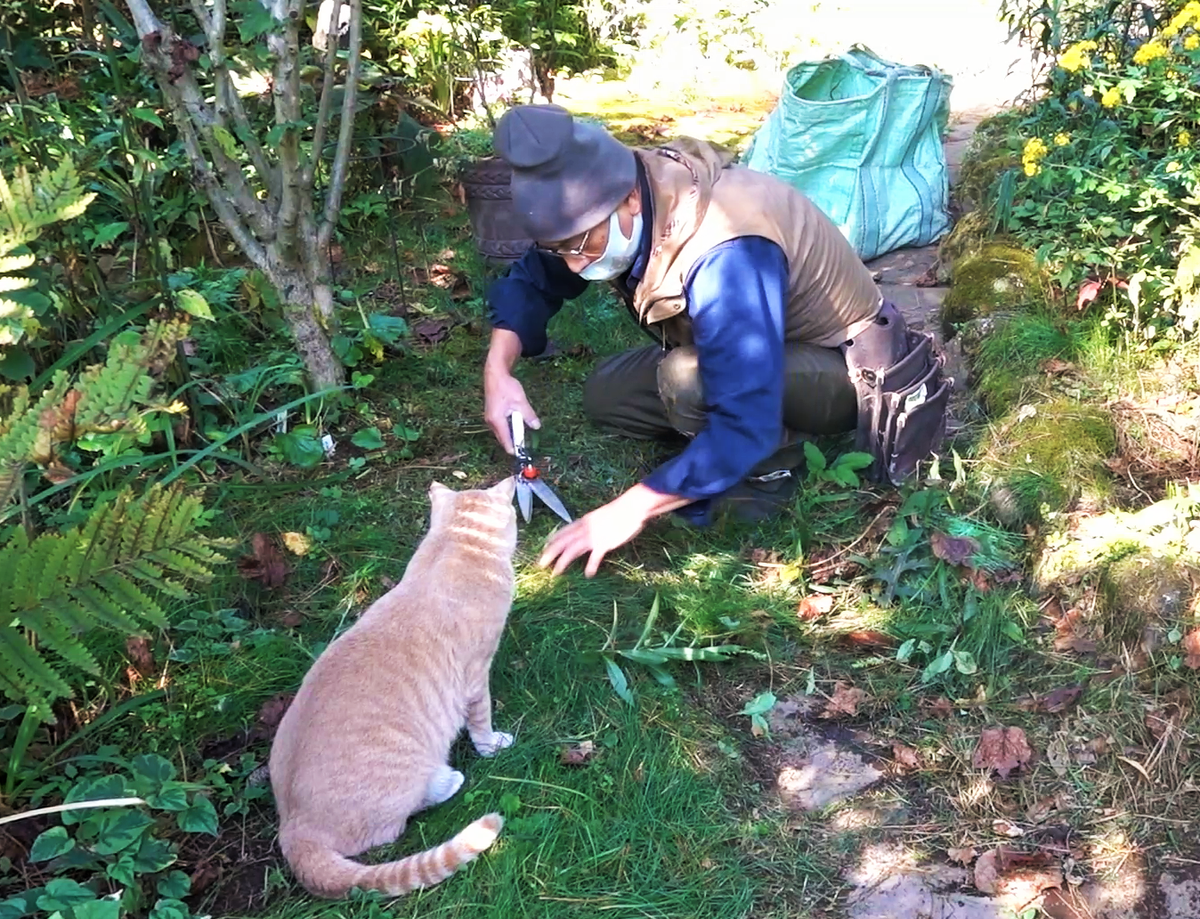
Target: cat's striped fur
<point x="366" y="741"/>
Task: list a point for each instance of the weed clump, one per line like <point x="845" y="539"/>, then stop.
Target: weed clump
<point x="1008" y="361"/>
<point x="1047" y="458"/>
<point x="999" y="277"/>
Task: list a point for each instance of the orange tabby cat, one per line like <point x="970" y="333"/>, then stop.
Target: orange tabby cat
<point x="366" y="741"/>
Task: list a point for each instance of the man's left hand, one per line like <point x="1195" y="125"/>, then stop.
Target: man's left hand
<point x="606" y="528"/>
<point x="598" y="533"/>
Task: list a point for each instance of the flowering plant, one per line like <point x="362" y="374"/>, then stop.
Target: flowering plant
<point x="1109" y="181"/>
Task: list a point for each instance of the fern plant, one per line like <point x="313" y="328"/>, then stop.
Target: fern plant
<point x="107" y="571"/>
<point x="26" y="207"/>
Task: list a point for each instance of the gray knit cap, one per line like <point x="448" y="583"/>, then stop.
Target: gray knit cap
<point x="567" y="175"/>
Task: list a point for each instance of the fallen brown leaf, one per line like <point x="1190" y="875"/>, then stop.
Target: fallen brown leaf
<point x="266" y="564"/>
<point x="906" y="757"/>
<point x="814" y="606"/>
<point x="957" y="550"/>
<point x="987" y="870"/>
<point x="941" y="707"/>
<point x="1040" y="810"/>
<point x="1191" y="644"/>
<point x="1002" y="749"/>
<point x="844" y="701"/>
<point x="578" y="754"/>
<point x="291" y="618"/>
<point x="827" y="564"/>
<point x="869" y="639"/>
<point x="1166" y="718"/>
<point x="962" y="856"/>
<point x="1002" y="827"/>
<point x="1061" y="699"/>
<point x="431" y="331"/>
<point x="140" y="655"/>
<point x="1054" y="367"/>
<point x="273" y="710"/>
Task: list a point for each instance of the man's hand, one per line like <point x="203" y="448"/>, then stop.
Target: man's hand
<point x="502" y="392"/>
<point x="503" y="395"/>
<point x="606" y="528"/>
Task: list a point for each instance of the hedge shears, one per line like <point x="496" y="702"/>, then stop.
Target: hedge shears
<point x="529" y="480"/>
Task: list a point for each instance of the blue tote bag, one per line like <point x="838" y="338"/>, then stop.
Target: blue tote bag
<point x="862" y="138"/>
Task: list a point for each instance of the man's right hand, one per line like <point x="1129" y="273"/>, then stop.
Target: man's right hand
<point x="503" y="394"/>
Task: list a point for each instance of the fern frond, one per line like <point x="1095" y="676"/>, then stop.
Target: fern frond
<point x="108" y="572"/>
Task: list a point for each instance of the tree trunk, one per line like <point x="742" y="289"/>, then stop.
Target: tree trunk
<point x="303" y="310"/>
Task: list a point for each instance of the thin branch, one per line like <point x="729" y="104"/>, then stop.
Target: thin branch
<point x="202" y="17"/>
<point x="228" y="100"/>
<point x="331" y="48"/>
<point x="341" y="159"/>
<point x="286" y="92"/>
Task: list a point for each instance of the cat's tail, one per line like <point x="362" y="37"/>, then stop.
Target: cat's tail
<point x="325" y="873"/>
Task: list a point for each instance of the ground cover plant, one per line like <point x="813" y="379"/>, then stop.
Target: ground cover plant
<point x="996" y="662"/>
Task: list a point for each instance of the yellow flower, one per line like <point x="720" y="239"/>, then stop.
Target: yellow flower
<point x="1189" y="13"/>
<point x="1169" y="32"/>
<point x="1173" y="166"/>
<point x="1183" y="138"/>
<point x="1076" y="57"/>
<point x="1192" y="42"/>
<point x="1032" y="169"/>
<point x="1149" y="52"/>
<point x="1111" y="97"/>
<point x="1061" y="140"/>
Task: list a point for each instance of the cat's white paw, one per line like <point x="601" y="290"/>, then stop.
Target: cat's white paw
<point x="499" y="740"/>
<point x="444" y="786"/>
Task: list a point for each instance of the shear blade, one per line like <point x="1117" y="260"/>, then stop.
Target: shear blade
<point x="550" y="499"/>
<point x="524" y="499"/>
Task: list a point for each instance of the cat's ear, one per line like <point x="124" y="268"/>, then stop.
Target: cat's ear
<point x="505" y="488"/>
<point x="438" y="490"/>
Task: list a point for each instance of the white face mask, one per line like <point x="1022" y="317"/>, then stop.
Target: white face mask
<point x="619" y="251"/>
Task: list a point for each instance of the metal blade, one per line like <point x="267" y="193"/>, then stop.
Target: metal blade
<point x="524" y="499"/>
<point x="517" y="424"/>
<point x="550" y="499"/>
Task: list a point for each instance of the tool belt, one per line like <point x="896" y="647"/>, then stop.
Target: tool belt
<point x="902" y="395"/>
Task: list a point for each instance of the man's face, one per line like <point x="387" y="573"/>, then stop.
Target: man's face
<point x="581" y="250"/>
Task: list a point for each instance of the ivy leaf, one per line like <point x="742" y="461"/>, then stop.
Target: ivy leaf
<point x="21" y="905"/>
<point x="301" y="447"/>
<point x="173" y="797"/>
<point x="760" y="704"/>
<point x="170" y="909"/>
<point x="225" y="141"/>
<point x="200" y="817"/>
<point x="905" y="651"/>
<point x="62" y="894"/>
<point x="389" y="329"/>
<point x="51" y="844"/>
<point x="367" y="438"/>
<point x="964" y="662"/>
<point x="109" y="786"/>
<point x="194" y="304"/>
<point x="153" y="856"/>
<point x="174" y="886"/>
<point x="107" y="908"/>
<point x="123" y="871"/>
<point x="120" y="830"/>
<point x="151" y="772"/>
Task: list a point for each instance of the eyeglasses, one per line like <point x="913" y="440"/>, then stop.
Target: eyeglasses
<point x="574" y="252"/>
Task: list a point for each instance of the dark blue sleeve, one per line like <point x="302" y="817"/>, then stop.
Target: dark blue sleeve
<point x="736" y="297"/>
<point x="527" y="297"/>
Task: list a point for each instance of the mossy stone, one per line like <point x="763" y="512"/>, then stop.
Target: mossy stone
<point x="1143" y="595"/>
<point x="996" y="278"/>
<point x="1046" y="458"/>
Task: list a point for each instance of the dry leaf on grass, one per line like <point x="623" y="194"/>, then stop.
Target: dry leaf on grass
<point x="1002" y="749"/>
<point x="431" y="331"/>
<point x="1167" y="717"/>
<point x="956" y="550"/>
<point x="1055" y="366"/>
<point x="869" y="640"/>
<point x="266" y="564"/>
<point x="1019" y="875"/>
<point x="941" y="707"/>
<point x="140" y="655"/>
<point x="578" y="754"/>
<point x="273" y="710"/>
<point x="962" y="856"/>
<point x="291" y="618"/>
<point x="814" y="606"/>
<point x="906" y="757"/>
<point x="1002" y="827"/>
<point x="297" y="543"/>
<point x="1054" y="702"/>
<point x="844" y="701"/>
<point x="1191" y="644"/>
